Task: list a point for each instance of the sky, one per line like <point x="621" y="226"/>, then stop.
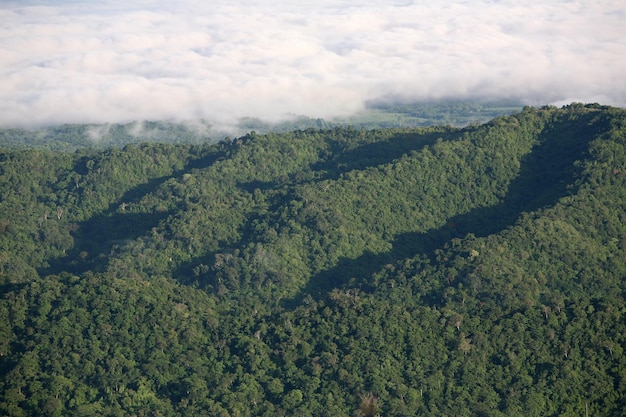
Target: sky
<point x="122" y="61"/>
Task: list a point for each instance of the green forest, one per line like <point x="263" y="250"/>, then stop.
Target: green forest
<point x="321" y="271"/>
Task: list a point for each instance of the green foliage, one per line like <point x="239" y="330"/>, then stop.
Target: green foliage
<point x="410" y="271"/>
<point x="68" y="138"/>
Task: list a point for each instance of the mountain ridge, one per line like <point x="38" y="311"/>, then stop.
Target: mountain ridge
<point x="425" y="271"/>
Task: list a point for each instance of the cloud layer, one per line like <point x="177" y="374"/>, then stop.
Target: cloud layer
<point x="118" y="61"/>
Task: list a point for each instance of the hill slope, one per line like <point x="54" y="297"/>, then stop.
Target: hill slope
<point x="431" y="271"/>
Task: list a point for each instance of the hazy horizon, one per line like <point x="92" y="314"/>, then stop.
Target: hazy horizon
<point x="119" y="61"/>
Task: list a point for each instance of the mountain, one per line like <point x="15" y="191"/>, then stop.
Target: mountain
<point x="463" y="271"/>
<point x="375" y="115"/>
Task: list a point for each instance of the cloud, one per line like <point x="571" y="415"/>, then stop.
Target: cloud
<point x="80" y="62"/>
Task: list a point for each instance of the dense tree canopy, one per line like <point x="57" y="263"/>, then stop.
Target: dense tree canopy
<point x="406" y="271"/>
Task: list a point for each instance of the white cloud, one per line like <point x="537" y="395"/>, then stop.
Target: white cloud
<point x="116" y="61"/>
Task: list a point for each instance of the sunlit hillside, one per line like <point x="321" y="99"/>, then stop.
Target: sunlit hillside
<point x="473" y="270"/>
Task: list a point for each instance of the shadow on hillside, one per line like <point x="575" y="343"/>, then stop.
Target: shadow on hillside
<point x="363" y="157"/>
<point x="380" y="153"/>
<point x="95" y="238"/>
<point x="547" y="174"/>
<point x="339" y="162"/>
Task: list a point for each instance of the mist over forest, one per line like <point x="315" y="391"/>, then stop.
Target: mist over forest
<point x="379" y="114"/>
<point x="71" y="62"/>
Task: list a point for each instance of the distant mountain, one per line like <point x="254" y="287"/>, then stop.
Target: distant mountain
<point x="467" y="271"/>
<point x="377" y="115"/>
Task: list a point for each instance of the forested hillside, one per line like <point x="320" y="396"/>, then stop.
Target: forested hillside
<point x="477" y="271"/>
